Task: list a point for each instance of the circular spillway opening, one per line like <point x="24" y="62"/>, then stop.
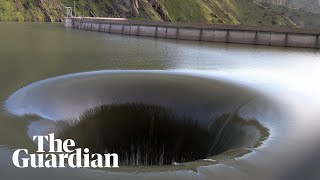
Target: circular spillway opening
<point x="147" y="118"/>
<point x="144" y="134"/>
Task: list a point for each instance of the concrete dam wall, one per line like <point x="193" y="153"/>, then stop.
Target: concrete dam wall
<point x="287" y="37"/>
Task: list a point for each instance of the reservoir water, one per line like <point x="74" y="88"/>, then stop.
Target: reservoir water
<point x="257" y="107"/>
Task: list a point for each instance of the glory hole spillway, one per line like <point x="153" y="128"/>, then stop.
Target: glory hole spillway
<point x="148" y="118"/>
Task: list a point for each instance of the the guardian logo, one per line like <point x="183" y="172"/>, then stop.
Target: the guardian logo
<point x="60" y="153"/>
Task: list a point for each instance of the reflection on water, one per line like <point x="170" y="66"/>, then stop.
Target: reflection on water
<point x="285" y="76"/>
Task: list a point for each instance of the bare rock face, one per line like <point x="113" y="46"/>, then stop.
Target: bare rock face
<point x="160" y="9"/>
<point x="134" y="7"/>
<point x="127" y="7"/>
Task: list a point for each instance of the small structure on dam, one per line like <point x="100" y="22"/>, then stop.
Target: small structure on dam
<point x="275" y="36"/>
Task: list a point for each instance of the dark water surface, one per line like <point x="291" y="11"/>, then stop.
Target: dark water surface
<point x="256" y="106"/>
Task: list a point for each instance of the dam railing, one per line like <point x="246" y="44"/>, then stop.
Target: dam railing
<point x="271" y="36"/>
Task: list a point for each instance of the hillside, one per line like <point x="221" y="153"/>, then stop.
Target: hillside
<point x="308" y="5"/>
<point x="236" y="12"/>
<point x="303" y="18"/>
